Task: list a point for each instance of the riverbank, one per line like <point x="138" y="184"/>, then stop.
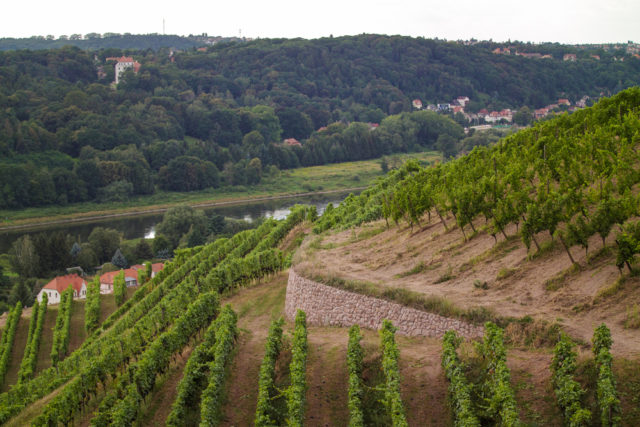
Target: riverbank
<point x="326" y="179"/>
<point x="93" y="216"/>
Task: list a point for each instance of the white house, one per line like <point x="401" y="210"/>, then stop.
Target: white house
<point x="123" y="63"/>
<point x="55" y="287"/>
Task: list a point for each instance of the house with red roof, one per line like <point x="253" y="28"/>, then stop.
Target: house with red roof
<point x="123" y="63"/>
<point x="130" y="276"/>
<point x="56" y="286"/>
<point x="106" y="280"/>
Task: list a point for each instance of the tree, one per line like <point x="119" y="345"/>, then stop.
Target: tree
<point x="523" y="117"/>
<point x="21" y="292"/>
<point x="161" y="244"/>
<point x="104" y="242"/>
<point x="447" y="144"/>
<point x="143" y="250"/>
<point x="24" y="258"/>
<point x="177" y="222"/>
<point x="216" y="224"/>
<point x="119" y="260"/>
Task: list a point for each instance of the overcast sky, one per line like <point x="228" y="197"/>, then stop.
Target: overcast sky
<point x="566" y="21"/>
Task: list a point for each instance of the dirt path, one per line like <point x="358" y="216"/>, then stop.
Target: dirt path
<point x="327" y="377"/>
<point x="256" y="308"/>
<point x="158" y="407"/>
<point x="46" y="342"/>
<point x="17" y="351"/>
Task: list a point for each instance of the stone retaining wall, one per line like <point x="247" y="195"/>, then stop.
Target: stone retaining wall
<point x="329" y="306"/>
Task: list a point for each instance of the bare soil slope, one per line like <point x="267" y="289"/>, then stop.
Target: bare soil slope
<point x="504" y="277"/>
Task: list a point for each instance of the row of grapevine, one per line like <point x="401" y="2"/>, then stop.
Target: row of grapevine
<point x="119" y="288"/>
<point x="61" y="331"/>
<point x="8" y="336"/>
<point x="193" y="378"/>
<point x="571" y="177"/>
<point x="23" y="394"/>
<point x="392" y="398"/>
<point x="30" y="357"/>
<point x="265" y="412"/>
<point x="172" y="296"/>
<point x="153" y="307"/>
<point x="355" y="355"/>
<point x="226" y="331"/>
<point x="497" y="388"/>
<point x="608" y="401"/>
<point x="459" y="388"/>
<point x="140" y="377"/>
<point x="92" y="306"/>
<point x="298" y="214"/>
<point x="567" y="390"/>
<point x="297" y="369"/>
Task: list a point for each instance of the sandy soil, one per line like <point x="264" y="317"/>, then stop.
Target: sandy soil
<point x="516" y="285"/>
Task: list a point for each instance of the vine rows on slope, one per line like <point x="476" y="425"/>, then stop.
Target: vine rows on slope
<point x="571" y="177"/>
<point x="30" y="358"/>
<point x="459" y="388"/>
<point x="567" y="390"/>
<point x="392" y="398"/>
<point x="141" y="375"/>
<point x="297" y="369"/>
<point x="355" y="355"/>
<point x="61" y="331"/>
<point x="92" y="306"/>
<point x="266" y="387"/>
<point x="608" y="401"/>
<point x="147" y="312"/>
<point x="8" y="336"/>
<point x="498" y="392"/>
<point x="150" y="314"/>
<point x="226" y="331"/>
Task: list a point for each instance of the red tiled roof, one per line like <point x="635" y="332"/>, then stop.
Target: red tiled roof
<point x="157" y="267"/>
<point x="107" y="278"/>
<point x="61" y="283"/>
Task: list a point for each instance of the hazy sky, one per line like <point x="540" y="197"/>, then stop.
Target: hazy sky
<point x="569" y="21"/>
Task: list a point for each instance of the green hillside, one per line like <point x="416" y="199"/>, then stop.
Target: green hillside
<point x="203" y="343"/>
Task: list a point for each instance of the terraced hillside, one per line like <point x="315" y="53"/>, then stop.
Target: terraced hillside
<point x="207" y="341"/>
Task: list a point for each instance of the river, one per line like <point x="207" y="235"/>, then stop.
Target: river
<point x="144" y="225"/>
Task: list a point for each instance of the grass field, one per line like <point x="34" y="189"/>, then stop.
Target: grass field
<point x="302" y="180"/>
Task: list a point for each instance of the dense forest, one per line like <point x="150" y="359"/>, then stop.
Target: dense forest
<point x="191" y="120"/>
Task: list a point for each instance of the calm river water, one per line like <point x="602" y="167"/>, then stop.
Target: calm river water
<point x="144" y="225"/>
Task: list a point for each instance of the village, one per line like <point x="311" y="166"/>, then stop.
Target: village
<point x="132" y="278"/>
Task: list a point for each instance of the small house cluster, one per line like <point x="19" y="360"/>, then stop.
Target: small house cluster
<point x="56" y="286"/>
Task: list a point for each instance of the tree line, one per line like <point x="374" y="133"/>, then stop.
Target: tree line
<point x="206" y="119"/>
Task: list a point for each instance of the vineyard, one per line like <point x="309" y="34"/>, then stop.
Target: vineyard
<point x="492" y="238"/>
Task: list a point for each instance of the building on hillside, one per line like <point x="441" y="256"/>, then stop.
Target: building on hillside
<point x="55" y="287"/>
<point x="564" y="101"/>
<point x="155" y="268"/>
<point x="124" y="63"/>
<point x="462" y="100"/>
<point x="106" y="280"/>
<point x="501" y="51"/>
<point x="292" y="142"/>
<point x="417" y="104"/>
<point x="570" y="57"/>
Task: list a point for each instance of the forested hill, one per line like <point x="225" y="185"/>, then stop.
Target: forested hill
<point x="389" y="71"/>
<point x="96" y="41"/>
<point x="197" y="119"/>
